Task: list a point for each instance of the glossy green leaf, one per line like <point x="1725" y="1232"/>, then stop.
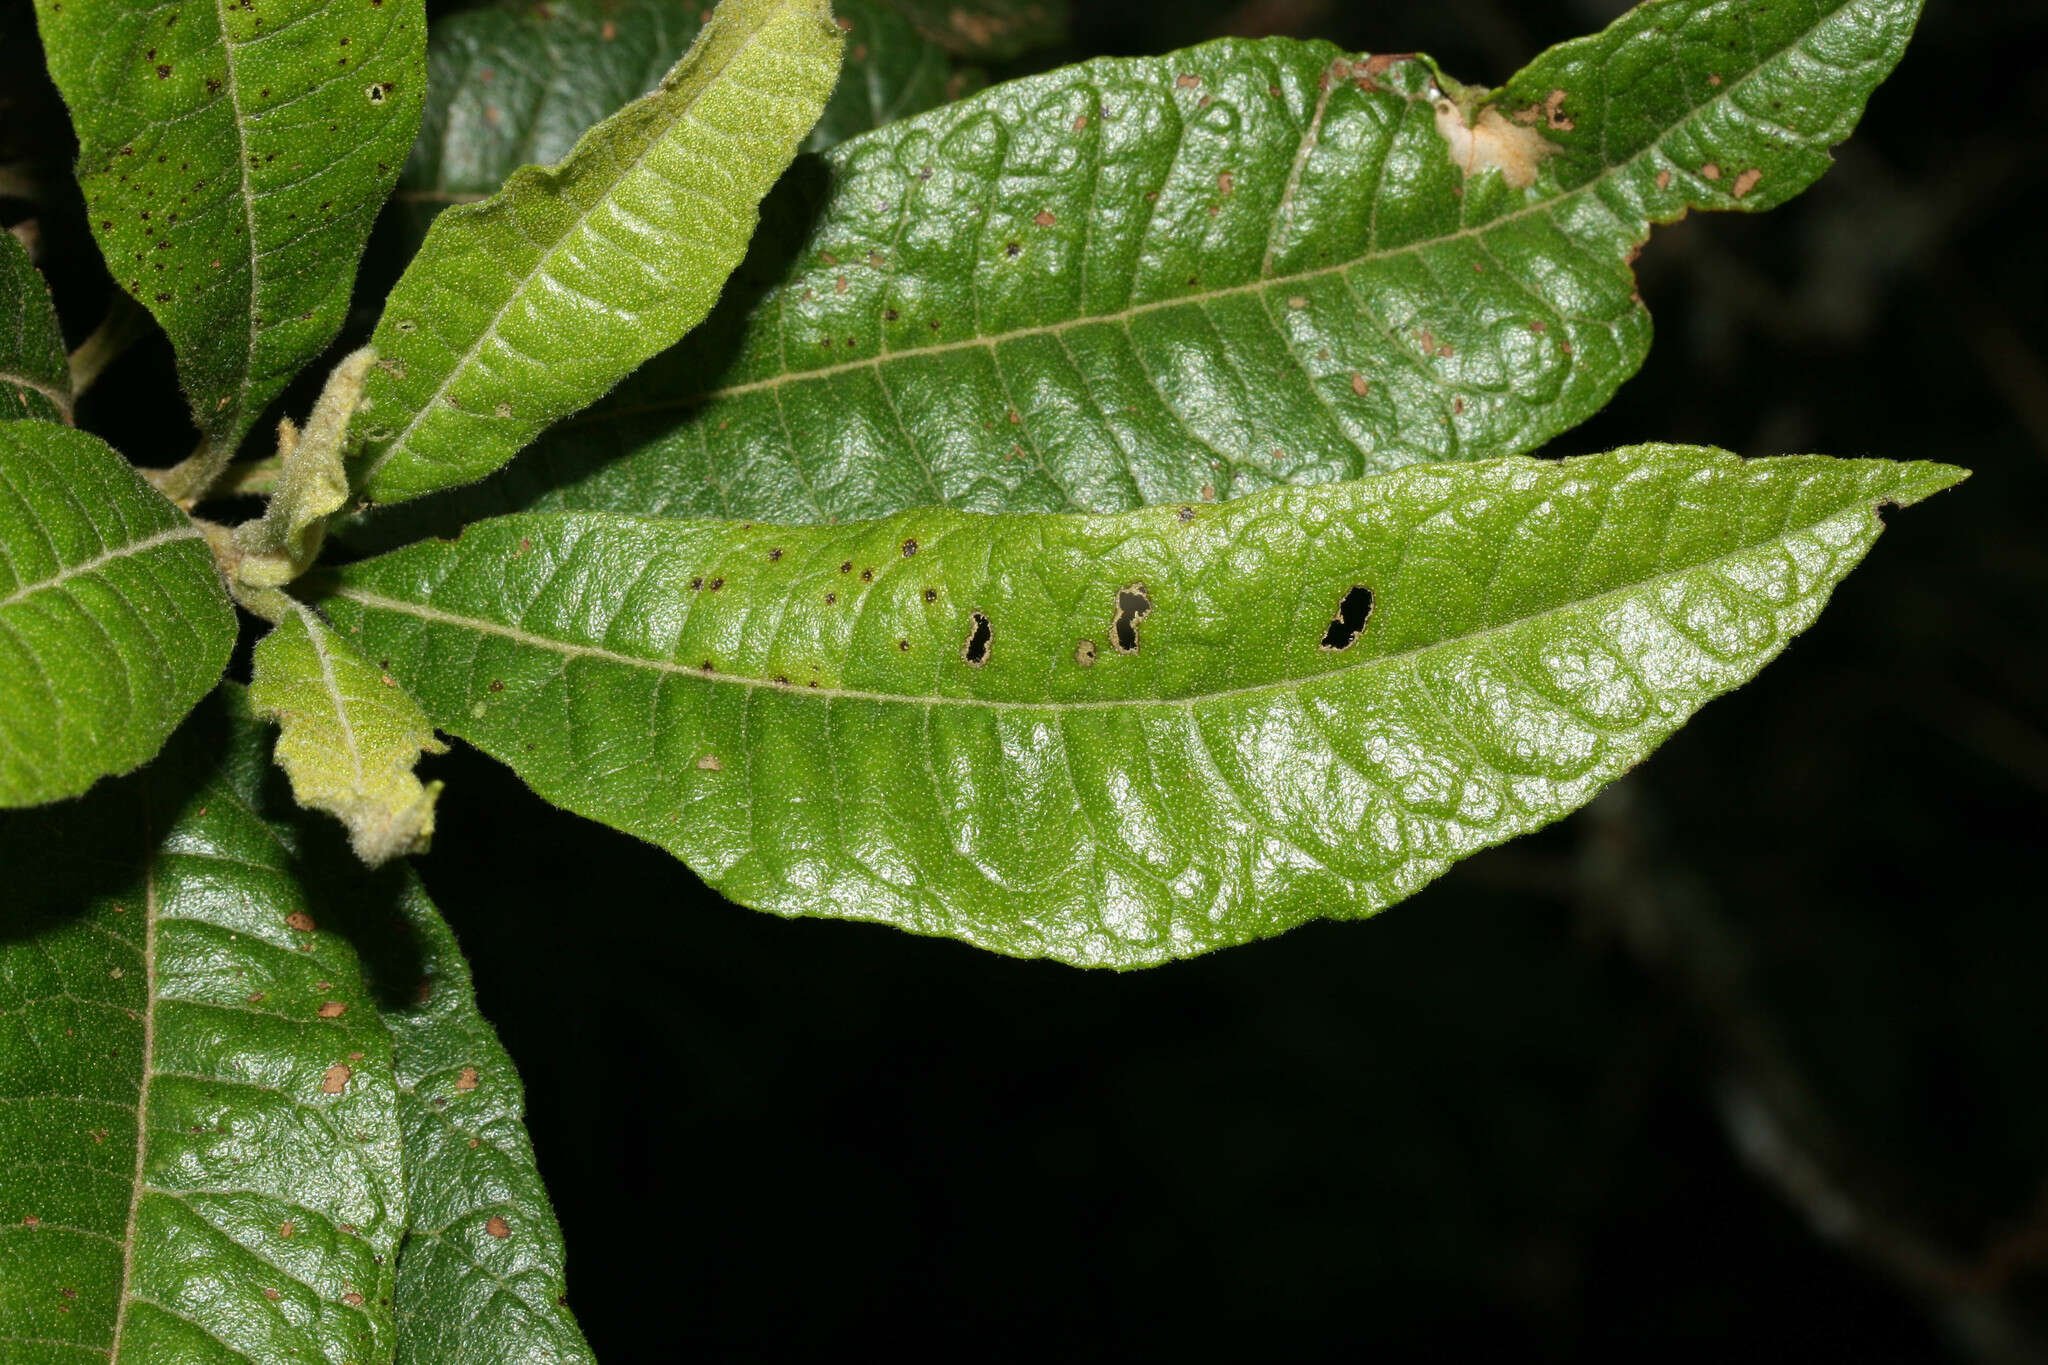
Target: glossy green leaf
<point x="197" y="1097"/>
<point x="891" y="71"/>
<point x="480" y="1277"/>
<point x="1122" y="739"/>
<point x="526" y="307"/>
<point x="233" y="158"/>
<point x="348" y="736"/>
<point x="1251" y="263"/>
<point x="35" y="381"/>
<point x="113" y="620"/>
<point x="518" y="84"/>
<point x="988" y="30"/>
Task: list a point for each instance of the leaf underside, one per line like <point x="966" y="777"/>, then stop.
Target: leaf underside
<point x="1137" y="281"/>
<point x="348" y="736"/>
<point x="1117" y="740"/>
<point x="526" y="307"/>
<point x="233" y="158"/>
<point x="35" y="381"/>
<point x="113" y="620"/>
<point x="510" y="86"/>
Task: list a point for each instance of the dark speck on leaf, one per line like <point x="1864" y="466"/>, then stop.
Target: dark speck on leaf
<point x="909" y="547"/>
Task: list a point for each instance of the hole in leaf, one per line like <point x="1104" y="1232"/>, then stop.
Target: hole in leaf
<point x="976" y="650"/>
<point x="1350" y="619"/>
<point x="1132" y="606"/>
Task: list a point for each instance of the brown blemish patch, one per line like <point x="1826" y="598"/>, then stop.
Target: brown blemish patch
<point x="1711" y="171"/>
<point x="353" y="1299"/>
<point x="467" y="1080"/>
<point x="1359" y="385"/>
<point x="301" y="921"/>
<point x="1044" y="218"/>
<point x="1084" y="653"/>
<point x="1492" y="144"/>
<point x="335" y="1079"/>
<point x="1664" y="180"/>
<point x="709" y="763"/>
<point x="1553" y="112"/>
<point x="497" y="1227"/>
<point x="331" y="1009"/>
<point x="1745" y="182"/>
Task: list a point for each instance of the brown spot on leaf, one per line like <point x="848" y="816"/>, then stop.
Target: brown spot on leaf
<point x="1664" y="180"/>
<point x="1359" y="385"/>
<point x="335" y="1080"/>
<point x="1084" y="654"/>
<point x="1492" y="144"/>
<point x="301" y="921"/>
<point x="1711" y="171"/>
<point x="709" y="763"/>
<point x="497" y="1226"/>
<point x="1745" y="182"/>
<point x="353" y="1299"/>
<point x="466" y="1080"/>
<point x="1187" y="82"/>
<point x="331" y="1009"/>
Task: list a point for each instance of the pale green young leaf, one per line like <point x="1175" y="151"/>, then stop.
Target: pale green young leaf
<point x="233" y="158"/>
<point x="197" y="1097"/>
<point x="524" y="308"/>
<point x="35" y="382"/>
<point x="518" y="84"/>
<point x="1122" y="739"/>
<point x="312" y="483"/>
<point x="480" y="1276"/>
<point x="113" y="620"/>
<point x="348" y="736"/>
<point x="1251" y="263"/>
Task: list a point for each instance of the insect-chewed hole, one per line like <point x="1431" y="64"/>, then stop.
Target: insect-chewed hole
<point x="1132" y="606"/>
<point x="975" y="651"/>
<point x="1350" y="619"/>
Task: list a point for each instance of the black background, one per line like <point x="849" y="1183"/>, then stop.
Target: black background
<point x="1750" y="1058"/>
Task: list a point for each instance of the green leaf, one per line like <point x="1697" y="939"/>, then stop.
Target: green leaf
<point x="513" y="84"/>
<point x="988" y="30"/>
<point x="1251" y="263"/>
<point x="518" y="84"/>
<point x="891" y="71"/>
<point x="233" y="158"/>
<point x="348" y="736"/>
<point x="480" y="1277"/>
<point x="113" y="620"/>
<point x="526" y="307"/>
<point x="35" y="380"/>
<point x="1116" y="740"/>
<point x="197" y="1097"/>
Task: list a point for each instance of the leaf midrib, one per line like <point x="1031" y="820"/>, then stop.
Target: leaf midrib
<point x="1200" y="297"/>
<point x="126" y="550"/>
<point x="228" y="46"/>
<point x="137" y="1182"/>
<point x="468" y="357"/>
<point x="433" y="615"/>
